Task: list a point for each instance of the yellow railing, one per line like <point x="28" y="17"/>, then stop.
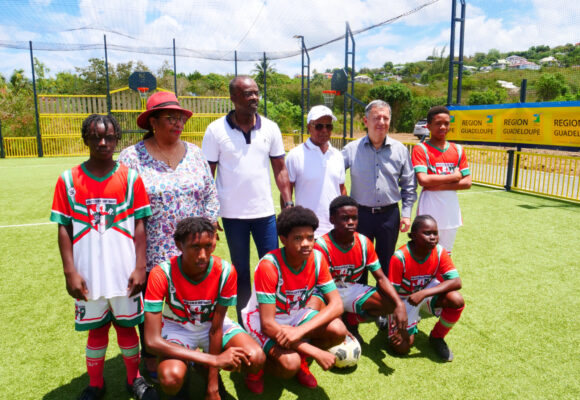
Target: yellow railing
<point x="548" y="175"/>
<point x="488" y="166"/>
<point x="16" y="147"/>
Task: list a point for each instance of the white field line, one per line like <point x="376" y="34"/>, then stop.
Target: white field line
<point x="26" y="225"/>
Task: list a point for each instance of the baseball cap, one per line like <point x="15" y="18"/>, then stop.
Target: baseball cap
<point x="319" y="112"/>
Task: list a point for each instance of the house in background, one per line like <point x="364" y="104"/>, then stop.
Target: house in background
<point x="363" y="79"/>
<point x="550" y="62"/>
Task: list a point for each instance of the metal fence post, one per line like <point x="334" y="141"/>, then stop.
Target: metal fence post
<point x="510" y="170"/>
<point x="2" y="153"/>
<point x="517" y="166"/>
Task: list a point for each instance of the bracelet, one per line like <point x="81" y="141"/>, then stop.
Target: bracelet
<point x="289" y="204"/>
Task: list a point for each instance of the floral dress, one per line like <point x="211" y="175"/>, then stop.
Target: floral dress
<point x="187" y="191"/>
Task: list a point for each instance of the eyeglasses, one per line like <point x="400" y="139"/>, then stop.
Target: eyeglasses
<point x="319" y="127"/>
<point x="173" y="119"/>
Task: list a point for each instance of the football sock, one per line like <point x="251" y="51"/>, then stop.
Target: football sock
<point x="449" y="316"/>
<point x="95" y="353"/>
<point x="129" y="344"/>
<point x="353" y="318"/>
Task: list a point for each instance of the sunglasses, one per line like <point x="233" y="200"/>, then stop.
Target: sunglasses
<point x="319" y="127"/>
<point x="173" y="119"/>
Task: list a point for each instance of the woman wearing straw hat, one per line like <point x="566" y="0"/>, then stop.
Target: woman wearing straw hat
<point x="177" y="178"/>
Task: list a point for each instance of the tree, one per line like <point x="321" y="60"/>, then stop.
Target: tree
<point x="490" y="96"/>
<point x="397" y="95"/>
<point x="550" y="86"/>
<point x="260" y="67"/>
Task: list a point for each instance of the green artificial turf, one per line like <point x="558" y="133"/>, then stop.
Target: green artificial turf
<point x="519" y="336"/>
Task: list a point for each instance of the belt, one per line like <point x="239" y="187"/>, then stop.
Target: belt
<point x="378" y="210"/>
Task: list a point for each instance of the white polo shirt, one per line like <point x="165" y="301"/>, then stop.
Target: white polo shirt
<point x="243" y="170"/>
<point x="317" y="177"/>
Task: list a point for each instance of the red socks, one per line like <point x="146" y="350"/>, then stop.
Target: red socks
<point x="129" y="345"/>
<point x="96" y="350"/>
<point x="449" y="316"/>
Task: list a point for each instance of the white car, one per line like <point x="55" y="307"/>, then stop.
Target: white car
<point x="421" y="132"/>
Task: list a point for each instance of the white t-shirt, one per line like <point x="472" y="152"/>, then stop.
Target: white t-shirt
<point x="317" y="177"/>
<point x="243" y="170"/>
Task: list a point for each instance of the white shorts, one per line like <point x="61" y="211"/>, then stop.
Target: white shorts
<point x="124" y="311"/>
<point x="199" y="336"/>
<point x="254" y="327"/>
<point x="427" y="305"/>
<point x="447" y="238"/>
<point x="353" y="296"/>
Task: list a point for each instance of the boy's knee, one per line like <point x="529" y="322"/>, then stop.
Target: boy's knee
<point x="455" y="299"/>
<point x="289" y="364"/>
<point x="337" y="329"/>
<point x="171" y="377"/>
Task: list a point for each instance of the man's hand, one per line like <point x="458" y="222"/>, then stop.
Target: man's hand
<point x="136" y="281"/>
<point x="232" y="358"/>
<point x="287" y="336"/>
<point x="76" y="286"/>
<point x="405" y="224"/>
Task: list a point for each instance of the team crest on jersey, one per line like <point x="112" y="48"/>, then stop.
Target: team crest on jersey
<point x="102" y="213"/>
<point x="198" y="311"/>
<point x="341" y="273"/>
<point x="72" y="192"/>
<point x="420" y="281"/>
<point x="296" y="299"/>
<point x="80" y="312"/>
<point x="444" y="168"/>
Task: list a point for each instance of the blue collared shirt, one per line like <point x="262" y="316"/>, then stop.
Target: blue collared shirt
<point x="381" y="177"/>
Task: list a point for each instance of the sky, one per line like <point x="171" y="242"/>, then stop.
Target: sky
<point x="217" y="28"/>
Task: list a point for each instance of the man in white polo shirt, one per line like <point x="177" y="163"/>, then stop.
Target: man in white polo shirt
<point x="242" y="145"/>
<point x="316" y="169"/>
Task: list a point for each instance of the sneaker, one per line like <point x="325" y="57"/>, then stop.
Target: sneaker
<point x="141" y="390"/>
<point x="305" y="377"/>
<point x="255" y="382"/>
<point x="93" y="393"/>
<point x="441" y="348"/>
<point x="382" y="322"/>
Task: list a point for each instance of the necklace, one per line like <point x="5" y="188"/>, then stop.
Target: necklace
<point x="168" y="159"/>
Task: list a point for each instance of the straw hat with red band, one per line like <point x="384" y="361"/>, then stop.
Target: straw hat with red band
<point x="160" y="101"/>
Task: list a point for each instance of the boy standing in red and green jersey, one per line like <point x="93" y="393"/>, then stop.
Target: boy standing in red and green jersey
<point x="441" y="168"/>
<point x="100" y="207"/>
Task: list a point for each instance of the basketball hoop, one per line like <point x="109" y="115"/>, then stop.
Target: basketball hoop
<point x="329" y="96"/>
<point x="143" y="95"/>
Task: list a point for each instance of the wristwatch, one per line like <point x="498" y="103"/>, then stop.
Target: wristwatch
<point x="289" y="204"/>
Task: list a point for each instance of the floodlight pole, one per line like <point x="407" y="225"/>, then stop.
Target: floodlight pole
<point x="38" y="137"/>
<point x="306" y="66"/>
<point x="235" y="63"/>
<point x="107" y="76"/>
<point x="174" y="70"/>
<point x="348" y="35"/>
<point x="265" y="74"/>
<point x="452" y="61"/>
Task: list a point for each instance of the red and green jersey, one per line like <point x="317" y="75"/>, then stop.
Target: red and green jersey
<point x="102" y="212"/>
<point x="347" y="265"/>
<point x="436" y="161"/>
<point x="289" y="289"/>
<point x="186" y="301"/>
<point x="409" y="275"/>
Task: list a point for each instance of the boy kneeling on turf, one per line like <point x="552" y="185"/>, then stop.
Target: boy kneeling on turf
<point x="277" y="315"/>
<point x="100" y="207"/>
<point x="194" y="291"/>
<point x="424" y="276"/>
<point x="348" y="254"/>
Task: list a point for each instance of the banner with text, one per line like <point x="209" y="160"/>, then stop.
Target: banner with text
<point x="553" y="124"/>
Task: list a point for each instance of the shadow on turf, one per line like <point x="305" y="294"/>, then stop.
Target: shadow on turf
<point x="378" y="344"/>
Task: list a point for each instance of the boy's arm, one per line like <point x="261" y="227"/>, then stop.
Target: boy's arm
<point x="444" y="287"/>
<point x="432" y="181"/>
<point x="229" y="359"/>
<point x="387" y="290"/>
<point x="75" y="284"/>
<point x="139" y="274"/>
<point x="463" y="184"/>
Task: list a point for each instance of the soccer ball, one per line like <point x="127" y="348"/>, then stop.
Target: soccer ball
<point x="347" y="353"/>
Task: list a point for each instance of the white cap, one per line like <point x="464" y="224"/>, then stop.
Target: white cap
<point x="319" y="112"/>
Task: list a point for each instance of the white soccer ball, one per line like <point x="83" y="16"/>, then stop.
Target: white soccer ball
<point x="347" y="353"/>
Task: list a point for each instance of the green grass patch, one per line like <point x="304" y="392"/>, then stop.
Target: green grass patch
<point x="518" y="337"/>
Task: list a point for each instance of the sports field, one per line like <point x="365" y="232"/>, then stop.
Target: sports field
<point x="518" y="338"/>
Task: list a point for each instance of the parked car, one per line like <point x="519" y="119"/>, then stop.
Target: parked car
<point x="421" y="132"/>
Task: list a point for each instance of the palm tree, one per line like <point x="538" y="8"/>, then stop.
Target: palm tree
<point x="260" y="67"/>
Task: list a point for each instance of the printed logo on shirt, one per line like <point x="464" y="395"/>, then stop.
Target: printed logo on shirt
<point x="102" y="213"/>
<point x="341" y="272"/>
<point x="444" y="168"/>
<point x="198" y="311"/>
<point x="296" y="299"/>
<point x="80" y="312"/>
<point x="419" y="282"/>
